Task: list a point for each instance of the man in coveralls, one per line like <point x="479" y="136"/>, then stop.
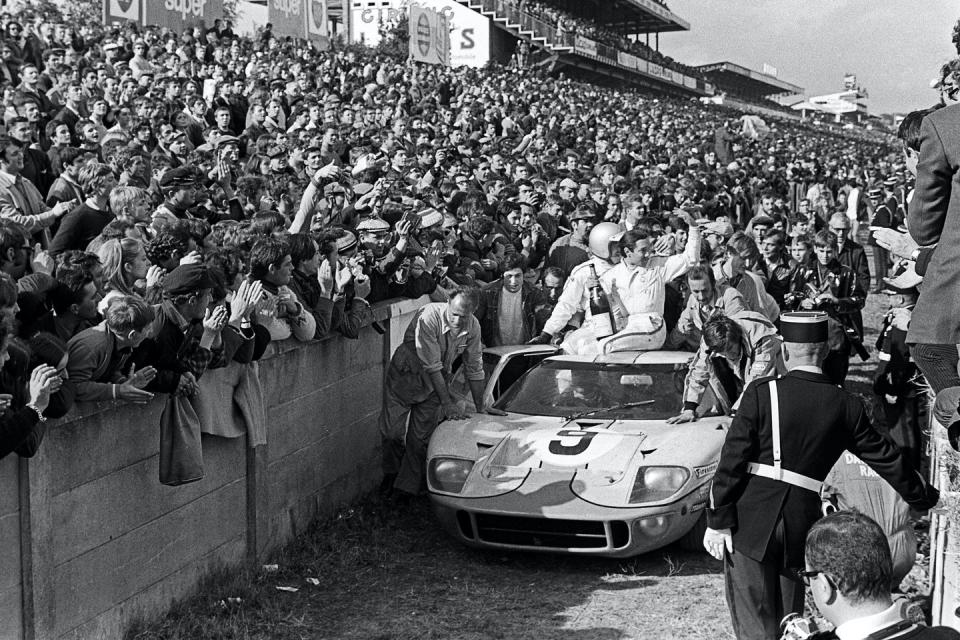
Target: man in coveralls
<point x="788" y="433"/>
<point x="416" y="385"/>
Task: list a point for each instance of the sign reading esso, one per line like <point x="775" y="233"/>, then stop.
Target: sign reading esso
<point x="186" y="8"/>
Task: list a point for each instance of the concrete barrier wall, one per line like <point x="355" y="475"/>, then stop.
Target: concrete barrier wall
<point x="92" y="540"/>
<point x="11" y="583"/>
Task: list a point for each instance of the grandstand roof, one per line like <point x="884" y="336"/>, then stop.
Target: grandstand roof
<point x="639" y="16"/>
<point x="728" y="74"/>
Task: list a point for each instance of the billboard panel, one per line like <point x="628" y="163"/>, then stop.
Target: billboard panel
<point x="122" y="11"/>
<point x="287" y="18"/>
<point x="585" y="45"/>
<point x="316" y="11"/>
<point x="181" y="14"/>
<point x="429" y="36"/>
<point x="469" y="30"/>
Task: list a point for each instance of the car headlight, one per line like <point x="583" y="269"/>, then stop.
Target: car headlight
<point x="654" y="484"/>
<point x="449" y="474"/>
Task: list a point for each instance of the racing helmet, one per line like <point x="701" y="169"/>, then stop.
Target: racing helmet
<point x="600" y="238"/>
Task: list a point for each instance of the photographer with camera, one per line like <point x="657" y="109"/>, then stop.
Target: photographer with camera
<point x="848" y="571"/>
<point x="826" y="285"/>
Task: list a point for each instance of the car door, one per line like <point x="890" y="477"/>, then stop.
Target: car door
<point x="502" y="366"/>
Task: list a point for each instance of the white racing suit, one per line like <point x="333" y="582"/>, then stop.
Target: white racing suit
<point x="576" y="298"/>
<point x="637" y="295"/>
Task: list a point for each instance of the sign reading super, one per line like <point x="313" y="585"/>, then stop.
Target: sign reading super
<point x="175" y="14"/>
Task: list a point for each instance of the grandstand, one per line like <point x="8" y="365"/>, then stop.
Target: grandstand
<point x="598" y="40"/>
<point x="749" y="90"/>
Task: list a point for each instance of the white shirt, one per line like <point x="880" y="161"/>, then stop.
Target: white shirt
<point x="860" y="628"/>
<point x="511" y="317"/>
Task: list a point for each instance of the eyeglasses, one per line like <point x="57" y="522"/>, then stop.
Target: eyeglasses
<point x="807" y="576"/>
<point x="839" y="229"/>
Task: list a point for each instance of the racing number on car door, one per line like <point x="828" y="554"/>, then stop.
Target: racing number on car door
<point x="557" y="447"/>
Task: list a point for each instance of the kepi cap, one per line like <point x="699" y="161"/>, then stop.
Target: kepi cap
<point x="803" y="326"/>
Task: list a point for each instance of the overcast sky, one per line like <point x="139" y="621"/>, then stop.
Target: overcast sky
<point x="895" y="47"/>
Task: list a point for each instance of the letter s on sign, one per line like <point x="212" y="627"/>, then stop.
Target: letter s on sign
<point x="467" y="41"/>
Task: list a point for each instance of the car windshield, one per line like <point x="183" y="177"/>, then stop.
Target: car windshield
<point x="619" y="391"/>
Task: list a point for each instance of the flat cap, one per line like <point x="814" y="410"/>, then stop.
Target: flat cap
<point x="373" y="224"/>
<point x="180" y="177"/>
<point x="582" y="213"/>
<point x="430" y="217"/>
<point x="723" y="229"/>
<point x="187" y="278"/>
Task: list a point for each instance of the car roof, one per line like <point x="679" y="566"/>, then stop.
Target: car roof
<point x="630" y="357"/>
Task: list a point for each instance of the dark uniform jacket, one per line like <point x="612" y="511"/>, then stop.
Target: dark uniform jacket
<point x="813" y="436"/>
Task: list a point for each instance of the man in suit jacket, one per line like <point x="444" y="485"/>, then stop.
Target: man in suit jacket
<point x="934" y="218"/>
<point x="765" y="493"/>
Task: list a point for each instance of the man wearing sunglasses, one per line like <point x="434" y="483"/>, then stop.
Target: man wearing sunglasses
<point x="848" y="570"/>
<point x="787" y="434"/>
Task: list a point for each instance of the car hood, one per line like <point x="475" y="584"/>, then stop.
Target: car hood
<point x="598" y="458"/>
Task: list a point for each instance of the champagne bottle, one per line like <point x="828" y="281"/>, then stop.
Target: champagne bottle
<point x="603" y="321"/>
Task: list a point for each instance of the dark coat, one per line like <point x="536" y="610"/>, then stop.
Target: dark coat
<point x="934" y="218"/>
<point x="813" y="437"/>
<point x="854" y="257"/>
<point x="488" y="311"/>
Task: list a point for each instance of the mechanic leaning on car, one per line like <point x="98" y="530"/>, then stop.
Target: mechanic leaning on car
<point x="416" y="385"/>
<point x="765" y="496"/>
<point x="734" y="351"/>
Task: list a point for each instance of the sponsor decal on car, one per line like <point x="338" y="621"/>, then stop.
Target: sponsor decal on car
<point x="701" y="472"/>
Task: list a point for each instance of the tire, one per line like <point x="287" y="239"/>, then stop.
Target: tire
<point x="693" y="540"/>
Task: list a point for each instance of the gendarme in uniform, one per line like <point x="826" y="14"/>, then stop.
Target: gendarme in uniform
<point x="788" y="433"/>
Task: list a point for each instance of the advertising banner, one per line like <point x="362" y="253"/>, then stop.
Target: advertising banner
<point x="429" y="36"/>
<point x="689" y="82"/>
<point x="179" y="15"/>
<point x="585" y="45"/>
<point x="287" y="18"/>
<point x="469" y="30"/>
<point x="316" y="11"/>
<point x="655" y="69"/>
<point x="623" y="59"/>
<point x="122" y="10"/>
<point x="666" y="74"/>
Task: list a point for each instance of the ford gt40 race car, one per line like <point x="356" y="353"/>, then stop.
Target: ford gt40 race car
<point x="584" y="461"/>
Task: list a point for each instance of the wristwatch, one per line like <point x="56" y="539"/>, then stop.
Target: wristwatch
<point x="39" y="413"/>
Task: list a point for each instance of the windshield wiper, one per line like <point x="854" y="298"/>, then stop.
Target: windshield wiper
<point x="624" y="405"/>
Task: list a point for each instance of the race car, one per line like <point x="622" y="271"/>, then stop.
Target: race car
<point x="584" y="462"/>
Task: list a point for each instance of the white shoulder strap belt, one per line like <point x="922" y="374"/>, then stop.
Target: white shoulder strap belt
<point x="775" y="471"/>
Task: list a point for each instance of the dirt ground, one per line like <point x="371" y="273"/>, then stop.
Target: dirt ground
<point x="380" y="573"/>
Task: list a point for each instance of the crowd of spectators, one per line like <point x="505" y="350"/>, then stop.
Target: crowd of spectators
<point x="171" y="203"/>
